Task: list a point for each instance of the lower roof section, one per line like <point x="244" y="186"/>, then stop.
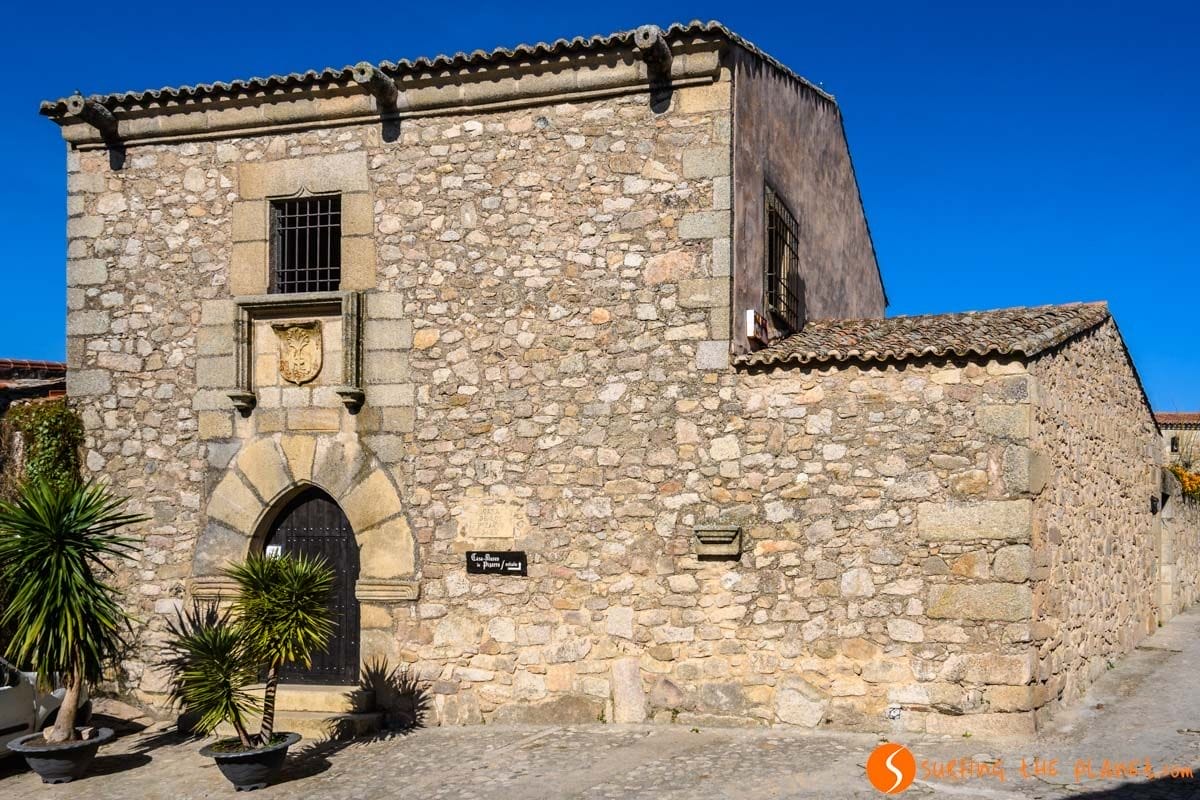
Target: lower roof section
<point x="1021" y="332"/>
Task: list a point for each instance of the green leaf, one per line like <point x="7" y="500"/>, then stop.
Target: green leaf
<point x="280" y="616"/>
<point x="282" y="607"/>
<point x="56" y="545"/>
<point x="52" y="435"/>
<point x="210" y="668"/>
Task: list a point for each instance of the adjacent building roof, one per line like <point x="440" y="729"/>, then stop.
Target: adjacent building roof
<point x="15" y="369"/>
<point x="22" y="378"/>
<point x="1007" y="331"/>
<point x="1177" y="419"/>
<point x="621" y="40"/>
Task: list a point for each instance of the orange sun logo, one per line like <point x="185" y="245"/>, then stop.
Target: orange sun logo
<point x="891" y="768"/>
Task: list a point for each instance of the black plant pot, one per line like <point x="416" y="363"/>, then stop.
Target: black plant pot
<point x="248" y="770"/>
<point x="61" y="763"/>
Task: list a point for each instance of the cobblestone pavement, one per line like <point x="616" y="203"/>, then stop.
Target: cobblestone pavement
<point x="1146" y="707"/>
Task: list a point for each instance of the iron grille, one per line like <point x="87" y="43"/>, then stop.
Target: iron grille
<point x="306" y="244"/>
<point x="784" y="286"/>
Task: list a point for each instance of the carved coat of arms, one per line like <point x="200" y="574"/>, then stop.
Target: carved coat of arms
<point x="300" y="350"/>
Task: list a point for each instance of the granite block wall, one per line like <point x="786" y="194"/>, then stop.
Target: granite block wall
<point x="544" y="344"/>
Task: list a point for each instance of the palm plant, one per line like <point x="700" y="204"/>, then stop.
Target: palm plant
<point x="56" y="542"/>
<point x="280" y="615"/>
<point x="283" y="613"/>
<point x="211" y="670"/>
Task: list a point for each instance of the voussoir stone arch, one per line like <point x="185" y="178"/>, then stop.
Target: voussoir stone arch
<point x="270" y="470"/>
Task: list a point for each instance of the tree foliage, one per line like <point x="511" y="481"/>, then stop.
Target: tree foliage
<point x="210" y="669"/>
<point x="56" y="545"/>
<point x="51" y="436"/>
<point x="282" y="606"/>
<point x="1189" y="482"/>
<point x="280" y="615"/>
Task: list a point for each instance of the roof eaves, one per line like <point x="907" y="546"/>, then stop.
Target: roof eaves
<point x="1093" y="315"/>
<point x="1177" y="417"/>
<point x="198" y="92"/>
<point x="1067" y="329"/>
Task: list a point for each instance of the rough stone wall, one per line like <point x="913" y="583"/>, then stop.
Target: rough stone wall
<point x="1096" y="591"/>
<point x="546" y="369"/>
<point x="530" y="264"/>
<point x="1178" y="550"/>
<point x="888" y="557"/>
<point x="146" y="247"/>
<point x="12" y="460"/>
<point x="794" y="139"/>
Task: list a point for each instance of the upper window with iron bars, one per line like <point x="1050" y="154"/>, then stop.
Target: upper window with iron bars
<point x="783" y="288"/>
<point x="306" y="244"/>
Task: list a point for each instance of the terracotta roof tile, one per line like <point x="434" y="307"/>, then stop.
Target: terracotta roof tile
<point x="1006" y="331"/>
<point x="28" y="368"/>
<point x="1170" y="418"/>
<point x="175" y="95"/>
<point x="50" y="385"/>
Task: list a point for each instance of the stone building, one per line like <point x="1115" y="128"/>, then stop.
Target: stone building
<point x="572" y="359"/>
<point x="1179" y="549"/>
<point x="1180" y="434"/>
<point x="22" y="379"/>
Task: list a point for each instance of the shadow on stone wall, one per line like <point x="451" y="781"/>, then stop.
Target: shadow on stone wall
<point x="399" y="696"/>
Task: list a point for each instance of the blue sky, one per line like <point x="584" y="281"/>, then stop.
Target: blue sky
<point x="1015" y="154"/>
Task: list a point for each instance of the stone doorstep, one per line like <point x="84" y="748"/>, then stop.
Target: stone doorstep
<point x="317" y="726"/>
<point x="320" y="699"/>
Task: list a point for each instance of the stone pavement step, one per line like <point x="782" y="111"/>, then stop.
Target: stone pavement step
<point x="327" y="699"/>
<point x="318" y="726"/>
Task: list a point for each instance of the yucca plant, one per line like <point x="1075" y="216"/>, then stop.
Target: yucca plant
<point x="280" y="615"/>
<point x="283" y="615"/>
<point x="56" y="545"/>
<point x="211" y="670"/>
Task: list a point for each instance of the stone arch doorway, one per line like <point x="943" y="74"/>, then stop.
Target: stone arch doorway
<point x="267" y="473"/>
<point x="312" y="524"/>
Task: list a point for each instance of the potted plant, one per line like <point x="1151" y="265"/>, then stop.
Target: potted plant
<point x="280" y="615"/>
<point x="57" y="545"/>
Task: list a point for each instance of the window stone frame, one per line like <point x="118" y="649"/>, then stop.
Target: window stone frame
<point x="260" y="182"/>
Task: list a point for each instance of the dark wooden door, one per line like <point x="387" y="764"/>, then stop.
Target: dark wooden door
<point x="313" y="525"/>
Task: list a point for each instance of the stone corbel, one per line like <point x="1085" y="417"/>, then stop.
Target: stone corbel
<point x="213" y="588"/>
<point x="367" y="590"/>
<point x="243" y="400"/>
<point x="383" y="88"/>
<point x="654" y="48"/>
<point x="352" y="397"/>
<point x="652" y="43"/>
<point x="95" y="114"/>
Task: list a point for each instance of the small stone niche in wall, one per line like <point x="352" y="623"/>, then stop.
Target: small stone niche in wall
<point x="299" y="351"/>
